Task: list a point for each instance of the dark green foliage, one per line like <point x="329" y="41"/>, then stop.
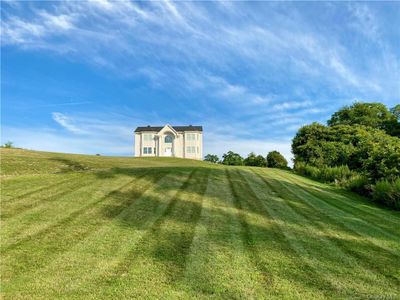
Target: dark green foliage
<point x="276" y="160"/>
<point x="393" y="126"/>
<point x="254" y="160"/>
<point x="388" y="192"/>
<point x="396" y="111"/>
<point x="355" y="138"/>
<point x="364" y="149"/>
<point x="232" y="158"/>
<point x="211" y="158"/>
<point x="375" y="115"/>
<point x="359" y="184"/>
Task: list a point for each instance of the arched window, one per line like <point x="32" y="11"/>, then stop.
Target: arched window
<point x="168" y="139"/>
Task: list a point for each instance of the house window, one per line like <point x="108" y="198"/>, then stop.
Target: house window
<point x="147" y="137"/>
<point x="191" y="136"/>
<point x="146" y="150"/>
<point x="190" y="149"/>
<point x="168" y="139"/>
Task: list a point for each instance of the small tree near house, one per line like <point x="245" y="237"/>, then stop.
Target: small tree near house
<point x="211" y="158"/>
<point x="8" y="145"/>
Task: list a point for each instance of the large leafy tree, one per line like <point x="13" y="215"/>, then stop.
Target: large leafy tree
<point x="276" y="160"/>
<point x="232" y="158"/>
<point x="368" y="114"/>
<point x="375" y="115"/>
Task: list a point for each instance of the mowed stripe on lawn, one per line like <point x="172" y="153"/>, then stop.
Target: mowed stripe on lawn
<point x="275" y="249"/>
<point x="347" y="277"/>
<point x="373" y="258"/>
<point x="218" y="240"/>
<point x="36" y="250"/>
<point x="67" y="275"/>
<point x="358" y="222"/>
<point x="184" y="231"/>
<point x="158" y="262"/>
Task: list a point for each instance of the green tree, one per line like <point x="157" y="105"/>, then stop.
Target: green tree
<point x="232" y="158"/>
<point x="211" y="158"/>
<point x="373" y="114"/>
<point x="276" y="160"/>
<point x="254" y="160"/>
<point x="368" y="114"/>
<point x="307" y="144"/>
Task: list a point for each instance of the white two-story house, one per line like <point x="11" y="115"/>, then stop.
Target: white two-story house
<point x="174" y="141"/>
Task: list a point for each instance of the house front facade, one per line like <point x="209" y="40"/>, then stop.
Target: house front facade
<point x="169" y="141"/>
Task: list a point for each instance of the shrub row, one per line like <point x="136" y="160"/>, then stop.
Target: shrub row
<point x="325" y="174"/>
<point x="388" y="193"/>
<point x="384" y="191"/>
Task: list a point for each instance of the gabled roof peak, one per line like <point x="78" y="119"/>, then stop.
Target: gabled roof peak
<point x="176" y="128"/>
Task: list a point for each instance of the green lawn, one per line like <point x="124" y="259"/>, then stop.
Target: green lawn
<point x="87" y="227"/>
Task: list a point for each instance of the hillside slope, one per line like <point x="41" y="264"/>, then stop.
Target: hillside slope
<point x="75" y="226"/>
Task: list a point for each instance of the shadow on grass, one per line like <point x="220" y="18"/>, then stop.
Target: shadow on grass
<point x="170" y="245"/>
<point x="69" y="165"/>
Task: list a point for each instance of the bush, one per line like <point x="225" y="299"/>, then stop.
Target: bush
<point x="339" y="175"/>
<point x="335" y="174"/>
<point x="359" y="184"/>
<point x="387" y="193"/>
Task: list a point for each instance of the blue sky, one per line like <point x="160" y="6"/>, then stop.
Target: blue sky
<point x="80" y="76"/>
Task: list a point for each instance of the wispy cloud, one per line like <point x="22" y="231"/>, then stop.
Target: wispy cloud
<point x="67" y="123"/>
<point x="364" y="20"/>
<point x="292" y="105"/>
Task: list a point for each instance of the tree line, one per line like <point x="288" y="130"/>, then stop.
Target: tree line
<point x="273" y="160"/>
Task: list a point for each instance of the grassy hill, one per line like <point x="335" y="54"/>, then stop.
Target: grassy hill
<point x="75" y="226"/>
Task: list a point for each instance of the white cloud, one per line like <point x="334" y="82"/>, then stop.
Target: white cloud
<point x="292" y="105"/>
<point x="54" y="22"/>
<point x="67" y="123"/>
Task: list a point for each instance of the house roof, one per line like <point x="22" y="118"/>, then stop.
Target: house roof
<point x="177" y="128"/>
